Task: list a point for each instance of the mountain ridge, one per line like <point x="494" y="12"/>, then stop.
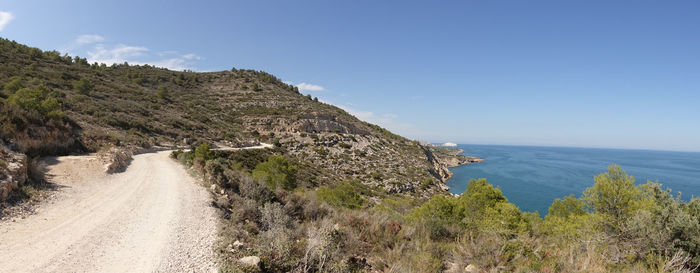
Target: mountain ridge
<point x="95" y="107"/>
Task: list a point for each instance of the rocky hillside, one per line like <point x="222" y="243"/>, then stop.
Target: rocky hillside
<point x="53" y="104"/>
<point x="13" y="171"/>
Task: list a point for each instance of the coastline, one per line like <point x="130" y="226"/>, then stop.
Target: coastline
<point x="461" y="159"/>
<point x="444" y="158"/>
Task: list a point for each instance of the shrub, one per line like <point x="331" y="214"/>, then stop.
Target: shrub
<point x="439" y="207"/>
<point x="83" y="86"/>
<point x="12" y="86"/>
<point x="566" y="207"/>
<point x="186" y="158"/>
<point x="426" y="183"/>
<point x="273" y="216"/>
<point x="214" y="171"/>
<point x="321" y="151"/>
<point x="204" y="151"/>
<point x="314" y="209"/>
<point x="613" y="196"/>
<point x="294" y="205"/>
<point x="254" y="190"/>
<point x="277" y="172"/>
<point x="319" y="246"/>
<point x="345" y="194"/>
<point x="481" y="207"/>
<point x="163" y="92"/>
<point x="275" y="245"/>
<point x="40" y="99"/>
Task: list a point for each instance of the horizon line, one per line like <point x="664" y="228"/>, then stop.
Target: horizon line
<point x="577" y="147"/>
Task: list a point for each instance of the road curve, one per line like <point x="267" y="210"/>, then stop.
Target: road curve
<point x="151" y="218"/>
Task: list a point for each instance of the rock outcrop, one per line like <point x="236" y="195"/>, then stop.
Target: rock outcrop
<point x="251" y="261"/>
<point x="458" y="159"/>
<point x="13" y="171"/>
<point x="439" y="169"/>
<point x="116" y="160"/>
<point x="442" y="159"/>
<point x="324" y="123"/>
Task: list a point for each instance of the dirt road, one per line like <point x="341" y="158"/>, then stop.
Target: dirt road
<point x="151" y="218"/>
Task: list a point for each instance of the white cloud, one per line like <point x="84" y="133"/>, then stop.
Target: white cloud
<point x="176" y="63"/>
<point x="5" y="18"/>
<point x="363" y="115"/>
<point x="371" y="117"/>
<point x="89" y="39"/>
<point x="137" y="54"/>
<point x="118" y="54"/>
<point x="191" y="56"/>
<point x="310" y="87"/>
<point x="389" y="121"/>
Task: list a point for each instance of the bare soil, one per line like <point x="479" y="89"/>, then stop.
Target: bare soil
<point x="151" y="218"/>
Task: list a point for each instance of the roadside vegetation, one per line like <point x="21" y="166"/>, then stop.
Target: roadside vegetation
<point x="614" y="226"/>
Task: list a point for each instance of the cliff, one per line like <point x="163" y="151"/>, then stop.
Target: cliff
<point x="443" y="158"/>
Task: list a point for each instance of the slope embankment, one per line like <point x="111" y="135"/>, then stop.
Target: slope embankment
<point x="153" y="217"/>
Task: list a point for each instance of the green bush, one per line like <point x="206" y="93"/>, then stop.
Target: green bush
<point x="83" y="86"/>
<point x="12" y="86"/>
<point x="163" y="92"/>
<point x="345" y="194"/>
<point x="214" y="171"/>
<point x="204" y="152"/>
<point x="614" y="196"/>
<point x="40" y="99"/>
<point x="566" y="207"/>
<point x="426" y="183"/>
<point x="481" y="207"/>
<point x="277" y="172"/>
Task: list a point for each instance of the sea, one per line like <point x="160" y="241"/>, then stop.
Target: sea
<point x="532" y="177"/>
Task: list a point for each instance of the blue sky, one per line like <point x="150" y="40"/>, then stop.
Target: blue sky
<point x="621" y="74"/>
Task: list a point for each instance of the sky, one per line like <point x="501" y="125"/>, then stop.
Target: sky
<point x="615" y="74"/>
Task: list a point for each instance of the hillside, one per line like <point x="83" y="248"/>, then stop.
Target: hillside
<point x="334" y="194"/>
<point x="54" y="104"/>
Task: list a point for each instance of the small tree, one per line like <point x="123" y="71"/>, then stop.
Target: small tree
<point x="204" y="151"/>
<point x="40" y="99"/>
<point x="163" y="93"/>
<point x="566" y="207"/>
<point x="613" y="196"/>
<point x="346" y="194"/>
<point x="12" y="86"/>
<point x="277" y="172"/>
<point x="83" y="86"/>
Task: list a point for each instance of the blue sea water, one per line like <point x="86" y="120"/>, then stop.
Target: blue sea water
<point x="532" y="177"/>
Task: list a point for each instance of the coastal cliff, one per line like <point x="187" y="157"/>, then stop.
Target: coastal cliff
<point x="443" y="158"/>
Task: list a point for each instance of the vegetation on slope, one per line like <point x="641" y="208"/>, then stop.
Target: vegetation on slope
<point x="53" y="104"/>
<point x="615" y="226"/>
